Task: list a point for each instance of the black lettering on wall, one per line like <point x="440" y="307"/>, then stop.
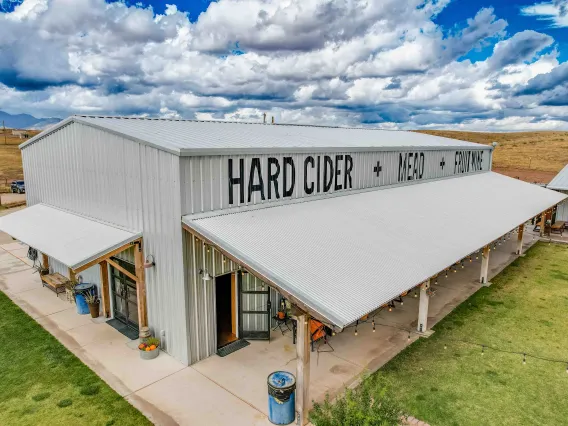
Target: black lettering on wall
<point x="252" y="187"/>
<point x="347" y="174"/>
<point x="237" y="180"/>
<point x="308" y="189"/>
<point x="318" y="175"/>
<point x="401" y="167"/>
<point x="327" y="173"/>
<point x="421" y="173"/>
<point x="337" y="186"/>
<point x="409" y="168"/>
<point x="273" y="177"/>
<point x="288" y="191"/>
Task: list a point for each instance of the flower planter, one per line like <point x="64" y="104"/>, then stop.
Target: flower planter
<point x="149" y="354"/>
<point x="94" y="309"/>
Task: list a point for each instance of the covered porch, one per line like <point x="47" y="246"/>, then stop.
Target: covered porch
<point x="341" y="365"/>
<point x="68" y="249"/>
<point x="349" y="261"/>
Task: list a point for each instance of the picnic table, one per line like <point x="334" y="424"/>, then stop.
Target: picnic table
<point x="558" y="227"/>
<point x="55" y="282"/>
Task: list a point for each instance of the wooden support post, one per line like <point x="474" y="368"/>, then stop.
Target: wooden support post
<point x="542" y="223"/>
<point x="303" y="368"/>
<point x="140" y="285"/>
<point x="484" y="265"/>
<point x="422" y="326"/>
<point x="520" y="239"/>
<point x="44" y="261"/>
<point x="105" y="295"/>
<point x="72" y="276"/>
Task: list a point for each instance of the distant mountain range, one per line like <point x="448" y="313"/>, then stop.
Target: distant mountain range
<point x="26" y="121"/>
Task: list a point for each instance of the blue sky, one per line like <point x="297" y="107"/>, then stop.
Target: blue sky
<point x="461" y="64"/>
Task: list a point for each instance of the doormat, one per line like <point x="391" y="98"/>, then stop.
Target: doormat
<point x="232" y="347"/>
<point x="123" y="328"/>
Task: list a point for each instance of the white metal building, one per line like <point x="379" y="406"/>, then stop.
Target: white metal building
<point x="338" y="221"/>
<point x="560" y="184"/>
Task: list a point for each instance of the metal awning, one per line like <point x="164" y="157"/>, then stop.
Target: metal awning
<point x="345" y="256"/>
<point x="71" y="239"/>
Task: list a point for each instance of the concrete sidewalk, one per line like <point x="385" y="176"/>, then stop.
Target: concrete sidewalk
<point x="230" y="390"/>
<point x="164" y="390"/>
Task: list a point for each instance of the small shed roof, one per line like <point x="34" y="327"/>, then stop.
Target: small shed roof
<point x="71" y="239"/>
<point x="345" y="256"/>
<point x="187" y="137"/>
<point x="560" y="181"/>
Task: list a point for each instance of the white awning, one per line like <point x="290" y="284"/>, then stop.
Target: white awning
<point x="345" y="256"/>
<point x="71" y="239"/>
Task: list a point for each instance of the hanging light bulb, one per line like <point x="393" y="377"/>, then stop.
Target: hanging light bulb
<point x="436" y="280"/>
<point x="462" y="264"/>
<point x="390" y="308"/>
<point x="446" y="273"/>
<point x="356" y="324"/>
<point x="470" y="259"/>
<point x="455" y="269"/>
<point x="374" y="326"/>
<point x="401" y="302"/>
<point x="415" y="293"/>
<point x="524" y="359"/>
<point x="333" y="333"/>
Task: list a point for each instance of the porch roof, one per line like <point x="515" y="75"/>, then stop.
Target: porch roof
<point x="71" y="239"/>
<point x="345" y="256"/>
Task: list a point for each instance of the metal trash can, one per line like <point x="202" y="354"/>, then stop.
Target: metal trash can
<point x="281" y="398"/>
<point x="80" y="302"/>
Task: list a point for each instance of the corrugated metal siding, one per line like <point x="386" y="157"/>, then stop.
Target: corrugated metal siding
<point x="201" y="308"/>
<point x="205" y="180"/>
<point x="560" y="181"/>
<point x="345" y="256"/>
<point x="562" y="211"/>
<point x="115" y="180"/>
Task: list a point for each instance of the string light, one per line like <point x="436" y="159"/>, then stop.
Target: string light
<point x="415" y="293"/>
<point x="462" y="264"/>
<point x="356" y="327"/>
<point x="374" y="329"/>
<point x="446" y="273"/>
<point x="470" y="259"/>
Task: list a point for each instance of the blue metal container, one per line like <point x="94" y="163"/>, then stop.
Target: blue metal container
<point x="281" y="398"/>
<point x="80" y="302"/>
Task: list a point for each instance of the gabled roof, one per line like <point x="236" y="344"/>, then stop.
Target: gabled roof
<point x="344" y="257"/>
<point x="187" y="137"/>
<point x="560" y="181"/>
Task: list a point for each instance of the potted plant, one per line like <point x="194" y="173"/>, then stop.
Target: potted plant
<point x="149" y="348"/>
<point x="94" y="302"/>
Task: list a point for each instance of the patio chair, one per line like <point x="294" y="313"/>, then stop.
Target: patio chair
<point x="318" y="332"/>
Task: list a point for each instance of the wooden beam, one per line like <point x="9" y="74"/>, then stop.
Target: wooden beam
<point x="121" y="269"/>
<point x="303" y="368"/>
<point x="140" y="285"/>
<point x="520" y="239"/>
<point x="484" y="265"/>
<point x="44" y="261"/>
<point x="72" y="275"/>
<point x="106" y="256"/>
<point x="105" y="294"/>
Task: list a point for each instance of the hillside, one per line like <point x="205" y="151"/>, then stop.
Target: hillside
<point x="531" y="156"/>
<point x="26" y="121"/>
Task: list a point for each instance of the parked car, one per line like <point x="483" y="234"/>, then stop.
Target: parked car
<point x="18" y="187"/>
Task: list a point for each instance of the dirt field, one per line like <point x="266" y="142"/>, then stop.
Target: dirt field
<point x="10" y="158"/>
<point x="531" y="156"/>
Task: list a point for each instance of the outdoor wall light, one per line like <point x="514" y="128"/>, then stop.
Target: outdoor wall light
<point x="149" y="262"/>
<point x="206" y="276"/>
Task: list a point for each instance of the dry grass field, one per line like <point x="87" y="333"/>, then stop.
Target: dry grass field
<point x="10" y="158"/>
<point x="531" y="156"/>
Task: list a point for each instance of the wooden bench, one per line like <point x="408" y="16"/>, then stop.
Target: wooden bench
<point x="558" y="227"/>
<point x="55" y="282"/>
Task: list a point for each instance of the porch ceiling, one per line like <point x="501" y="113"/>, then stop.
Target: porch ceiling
<point x="345" y="256"/>
<point x="71" y="239"/>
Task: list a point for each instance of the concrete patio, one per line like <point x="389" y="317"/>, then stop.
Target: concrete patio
<point x="230" y="390"/>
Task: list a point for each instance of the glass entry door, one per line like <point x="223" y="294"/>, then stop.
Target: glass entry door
<point x="254" y="308"/>
<point x="124" y="297"/>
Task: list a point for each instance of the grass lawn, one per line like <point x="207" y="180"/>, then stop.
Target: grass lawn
<point x="524" y="310"/>
<point x="45" y="384"/>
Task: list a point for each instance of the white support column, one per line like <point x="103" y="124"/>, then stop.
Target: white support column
<point x="303" y="368"/>
<point x="542" y="223"/>
<point x="520" y="239"/>
<point x="484" y="265"/>
<point x="422" y="325"/>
